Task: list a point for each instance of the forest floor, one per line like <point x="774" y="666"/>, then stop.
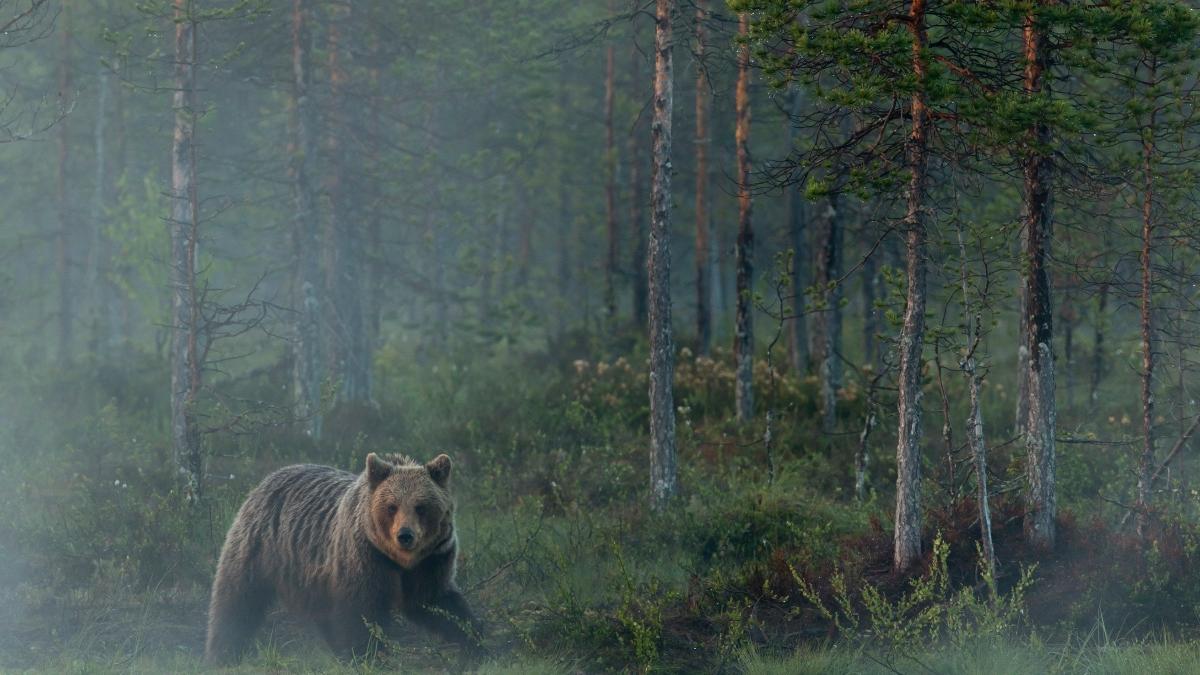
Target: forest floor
<point x="765" y="563"/>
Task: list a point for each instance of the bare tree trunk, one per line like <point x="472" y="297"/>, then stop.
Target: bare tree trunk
<point x="308" y="368"/>
<point x="1146" y="462"/>
<point x="703" y="215"/>
<point x="662" y="350"/>
<point x="743" y="344"/>
<point x="1098" y="365"/>
<point x="973" y="323"/>
<point x="826" y="334"/>
<point x="185" y="322"/>
<point x="610" y="182"/>
<point x="912" y="335"/>
<point x="352" y="353"/>
<point x="375" y="256"/>
<point x="797" y="234"/>
<point x="98" y="249"/>
<point x="63" y="263"/>
<point x="637" y="222"/>
<point x="1036" y="311"/>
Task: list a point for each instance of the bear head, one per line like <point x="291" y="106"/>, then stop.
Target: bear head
<point x="410" y="511"/>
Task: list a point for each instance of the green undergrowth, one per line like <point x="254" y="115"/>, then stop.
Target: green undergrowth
<point x="764" y="563"/>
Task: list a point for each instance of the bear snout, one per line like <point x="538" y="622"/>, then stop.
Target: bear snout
<point x="406" y="537"/>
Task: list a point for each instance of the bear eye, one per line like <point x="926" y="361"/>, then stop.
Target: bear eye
<point x="421" y="509"/>
<point x="392" y="509"/>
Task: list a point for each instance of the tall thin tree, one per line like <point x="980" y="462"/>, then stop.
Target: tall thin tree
<point x="308" y="368"/>
<point x="743" y="344"/>
<point x="185" y="303"/>
<point x="662" y="350"/>
<point x="703" y="214"/>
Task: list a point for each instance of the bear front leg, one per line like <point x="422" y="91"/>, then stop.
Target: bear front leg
<point x="237" y="608"/>
<point x="450" y="617"/>
<point x="345" y="630"/>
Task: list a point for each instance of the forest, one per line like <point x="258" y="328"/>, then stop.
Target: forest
<point x="763" y="336"/>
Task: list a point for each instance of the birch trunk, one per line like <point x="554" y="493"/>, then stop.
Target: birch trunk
<point x="308" y="368"/>
<point x="907" y="549"/>
<point x="743" y="345"/>
<point x="1036" y="313"/>
<point x="185" y="323"/>
<point x="662" y="352"/>
<point x="826" y="335"/>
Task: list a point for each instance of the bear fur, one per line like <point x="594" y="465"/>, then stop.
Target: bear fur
<point x="342" y="549"/>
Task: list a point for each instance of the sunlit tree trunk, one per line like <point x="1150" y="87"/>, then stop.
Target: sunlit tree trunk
<point x="907" y="549"/>
<point x="662" y="351"/>
<point x="743" y="343"/>
<point x="352" y="353"/>
<point x="703" y="214"/>
<point x="308" y="368"/>
<point x="63" y="262"/>
<point x="185" y="315"/>
<point x="1036" y="312"/>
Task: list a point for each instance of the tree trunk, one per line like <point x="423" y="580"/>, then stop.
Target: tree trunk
<point x="610" y="183"/>
<point x="797" y="233"/>
<point x="743" y="344"/>
<point x="1146" y="463"/>
<point x="703" y="215"/>
<point x="637" y="222"/>
<point x="973" y="326"/>
<point x="375" y="258"/>
<point x="63" y="263"/>
<point x="98" y="250"/>
<point x="912" y="335"/>
<point x="662" y="351"/>
<point x="1036" y="313"/>
<point x="1098" y="365"/>
<point x="185" y="323"/>
<point x="826" y="335"/>
<point x="308" y="368"/>
<point x="352" y="352"/>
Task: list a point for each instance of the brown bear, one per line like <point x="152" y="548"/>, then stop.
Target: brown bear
<point x="342" y="549"/>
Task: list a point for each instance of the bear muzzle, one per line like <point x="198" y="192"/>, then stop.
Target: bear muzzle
<point x="406" y="538"/>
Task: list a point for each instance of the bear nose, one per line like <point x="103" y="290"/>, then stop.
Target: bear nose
<point x="406" y="537"/>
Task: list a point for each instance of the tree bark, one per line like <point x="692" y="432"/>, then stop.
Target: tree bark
<point x="1146" y="462"/>
<point x="1036" y="311"/>
<point x="1098" y="365"/>
<point x="797" y="234"/>
<point x="826" y="335"/>
<point x="610" y="183"/>
<point x="907" y="549"/>
<point x="662" y="351"/>
<point x="973" y="325"/>
<point x="352" y="353"/>
<point x="63" y="262"/>
<point x="703" y="214"/>
<point x="743" y="344"/>
<point x="99" y="252"/>
<point x="308" y="367"/>
<point x="185" y="323"/>
<point x="637" y="221"/>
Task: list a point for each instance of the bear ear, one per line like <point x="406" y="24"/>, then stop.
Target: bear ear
<point x="439" y="469"/>
<point x="377" y="469"/>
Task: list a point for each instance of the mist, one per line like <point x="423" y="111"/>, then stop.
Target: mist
<point x="664" y="336"/>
